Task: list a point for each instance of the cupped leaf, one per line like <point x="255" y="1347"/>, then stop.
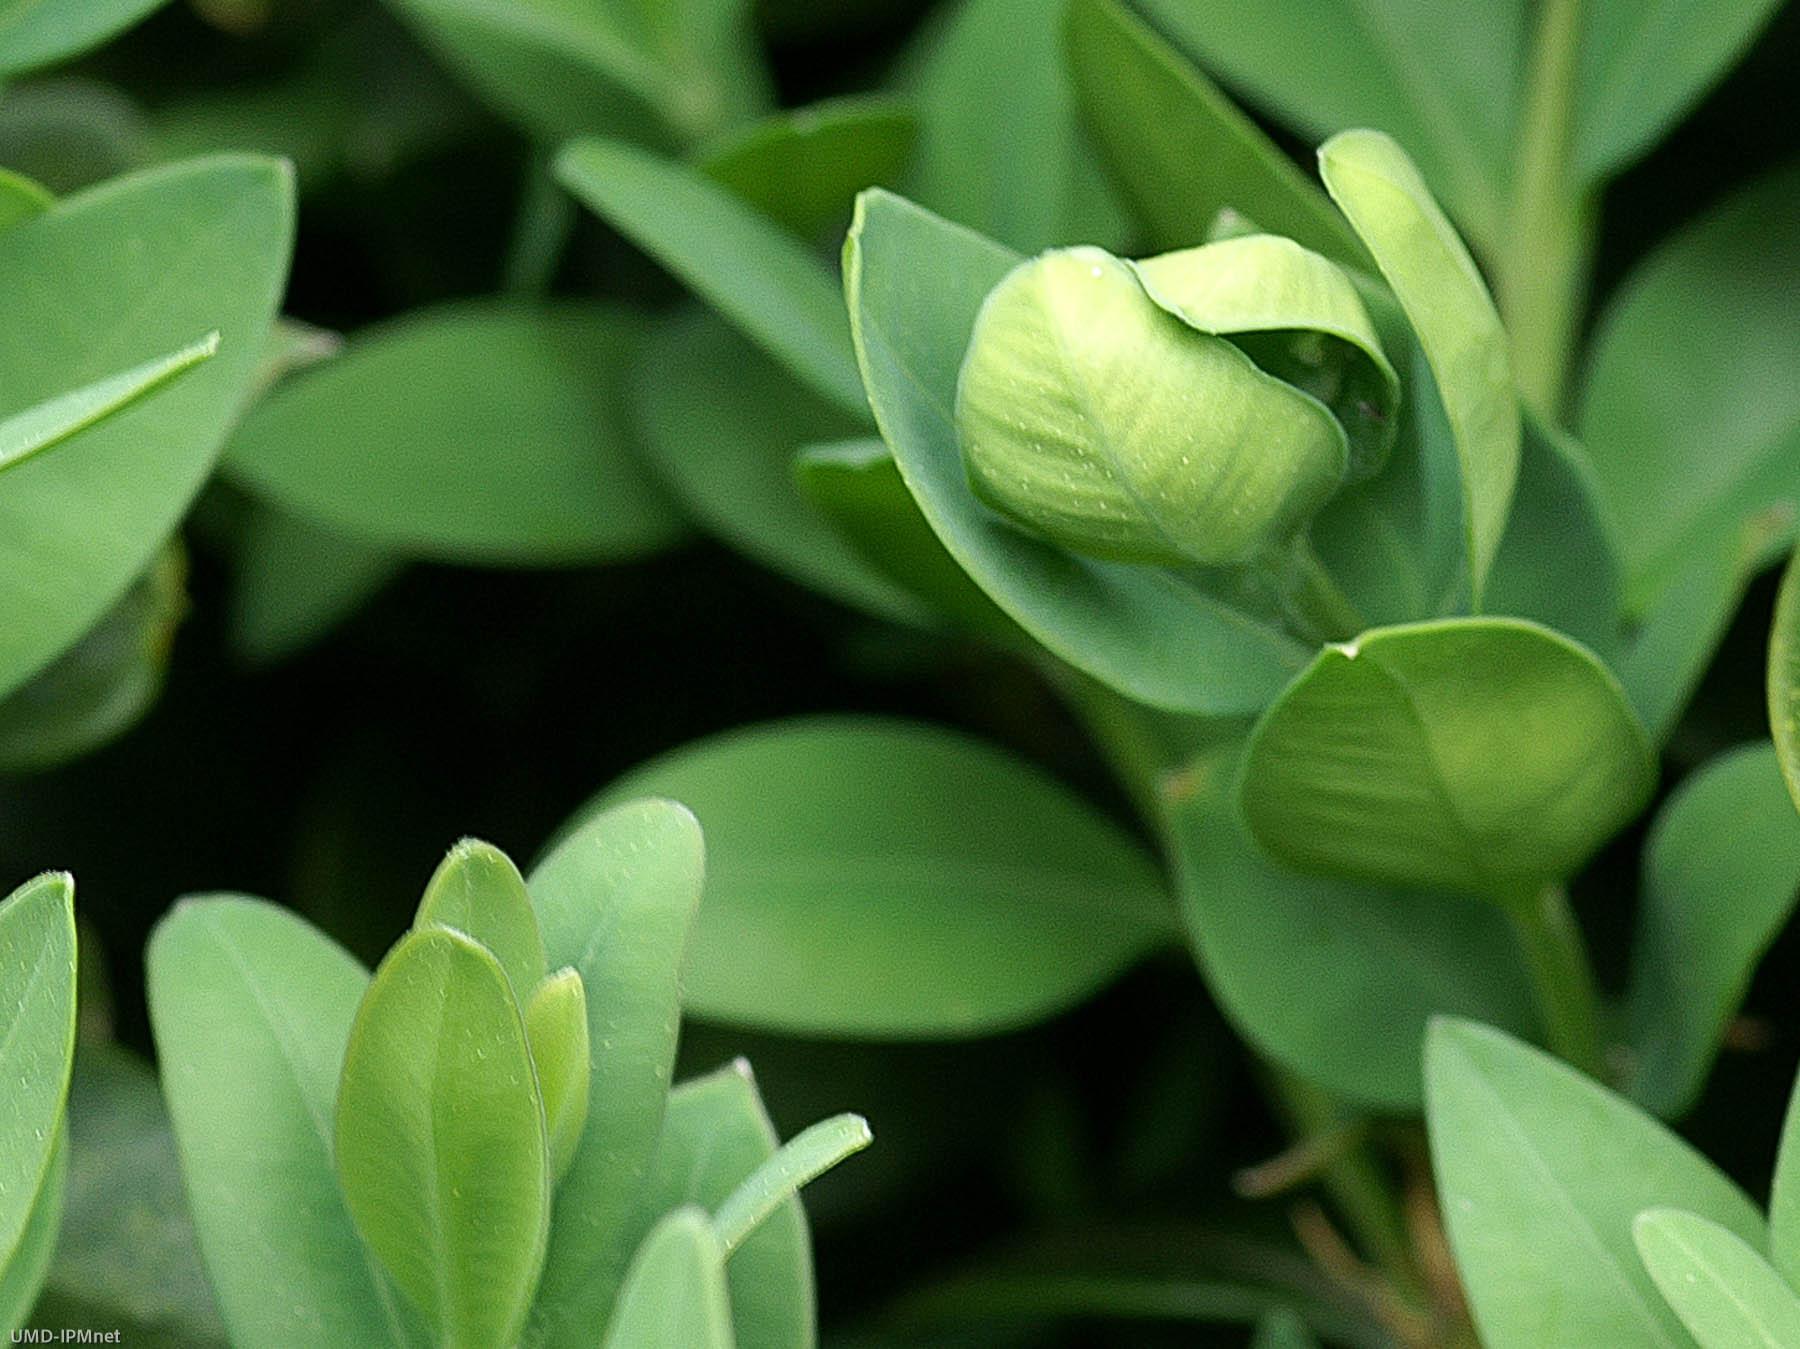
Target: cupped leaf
<point x="51" y="422"/>
<point x="803" y="167"/>
<point x="1644" y="66"/>
<point x="747" y="267"/>
<point x="480" y="432"/>
<point x="615" y="898"/>
<point x="22" y="1275"/>
<point x="1541" y="1173"/>
<point x="36" y="33"/>
<point x="1298" y="316"/>
<point x="675" y="1295"/>
<point x="721" y="423"/>
<point x="556" y="1027"/>
<point x="878" y="878"/>
<point x="1692" y="407"/>
<point x="714" y="1135"/>
<point x="677" y="69"/>
<point x="132" y="270"/>
<point x="804" y="1157"/>
<point x="1489" y="756"/>
<point x="1182" y="149"/>
<point x="478" y="891"/>
<point x="1335" y="981"/>
<point x="915" y="284"/>
<point x="1721" y="874"/>
<point x="1784" y="679"/>
<point x="1001" y="148"/>
<point x="441" y="1149"/>
<point x="1725" y="1293"/>
<point x="37" y="1042"/>
<point x="1437" y="284"/>
<point x="252" y="1011"/>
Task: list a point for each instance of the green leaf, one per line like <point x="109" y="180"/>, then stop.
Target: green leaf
<point x="714" y="1135"/>
<point x="1283" y="1330"/>
<point x="22" y="1273"/>
<point x="21" y="198"/>
<point x="880" y="878"/>
<point x="1436" y="282"/>
<point x="1541" y="1173"/>
<point x="1692" y="413"/>
<point x="1784" y="1195"/>
<point x="51" y="422"/>
<point x="802" y="167"/>
<point x="37" y="1010"/>
<point x="752" y="271"/>
<point x="1488" y="756"/>
<point x="441" y="1149"/>
<point x="1441" y="80"/>
<point x="1725" y="1293"/>
<point x="616" y="899"/>
<point x="805" y="1157"/>
<point x="1784" y="679"/>
<point x="914" y="284"/>
<point x="1333" y="980"/>
<point x="296" y="582"/>
<point x="480" y="432"/>
<point x="209" y="246"/>
<point x="99" y="687"/>
<point x="252" y="1011"/>
<point x="1001" y="147"/>
<point x="128" y="1248"/>
<point x="556" y="1027"/>
<point x="672" y="69"/>
<point x="675" y="1295"/>
<point x="1721" y="874"/>
<point x="478" y="891"/>
<point x="1183" y="151"/>
<point x="721" y="423"/>
<point x="36" y="33"/>
<point x="1644" y="67"/>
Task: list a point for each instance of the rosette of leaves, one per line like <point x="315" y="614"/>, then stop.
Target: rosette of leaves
<point x="478" y="1144"/>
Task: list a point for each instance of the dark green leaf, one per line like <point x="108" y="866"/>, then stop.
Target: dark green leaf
<point x="37" y="33"/>
<point x="295" y="582"/>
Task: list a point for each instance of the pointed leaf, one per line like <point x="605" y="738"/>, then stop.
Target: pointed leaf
<point x="478" y="891"/>
<point x="675" y="1295"/>
<point x="1723" y="1291"/>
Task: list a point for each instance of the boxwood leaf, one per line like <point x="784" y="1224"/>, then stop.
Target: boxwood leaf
<point x="1784" y="678"/>
<point x="441" y="1149"/>
<point x="1697" y="350"/>
<point x="37" y="1009"/>
<point x="252" y="1010"/>
<point x="675" y="1293"/>
<point x="914" y="283"/>
<point x="1333" y="980"/>
<point x="1541" y="1173"/>
<point x="1001" y="147"/>
<point x="1485" y="755"/>
<point x="616" y="899"/>
<point x="715" y="1133"/>
<point x="1642" y="68"/>
<point x="36" y="33"/>
<point x="677" y="70"/>
<point x="743" y="264"/>
<point x="1437" y="284"/>
<point x="21" y="198"/>
<point x="721" y="423"/>
<point x="1711" y="904"/>
<point x="478" y="891"/>
<point x="1181" y="148"/>
<point x="803" y="167"/>
<point x="22" y="1274"/>
<point x="1725" y="1293"/>
<point x="479" y="432"/>
<point x="556" y="1027"/>
<point x="53" y="421"/>
<point x="78" y="526"/>
<point x="868" y="877"/>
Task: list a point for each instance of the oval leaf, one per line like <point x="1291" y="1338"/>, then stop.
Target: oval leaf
<point x="1724" y="1292"/>
<point x="556" y="1027"/>
<point x="675" y="1296"/>
<point x="478" y="891"/>
<point x="1489" y="756"/>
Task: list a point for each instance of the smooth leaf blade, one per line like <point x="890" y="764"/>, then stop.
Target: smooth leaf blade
<point x="252" y="1011"/>
<point x="1725" y="1293"/>
<point x="1784" y="679"/>
<point x="805" y="1157"/>
<point x="868" y="877"/>
<point x="441" y="1149"/>
<point x="1436" y="282"/>
<point x="556" y="1027"/>
<point x="22" y="1275"/>
<point x="478" y="891"/>
<point x="42" y="32"/>
<point x="1541" y="1174"/>
<point x="675" y="1295"/>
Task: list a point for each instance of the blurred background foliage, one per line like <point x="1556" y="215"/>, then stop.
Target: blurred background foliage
<point x="332" y="773"/>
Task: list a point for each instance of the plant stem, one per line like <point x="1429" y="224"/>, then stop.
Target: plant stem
<point x="1542" y="268"/>
<point x="1557" y="959"/>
